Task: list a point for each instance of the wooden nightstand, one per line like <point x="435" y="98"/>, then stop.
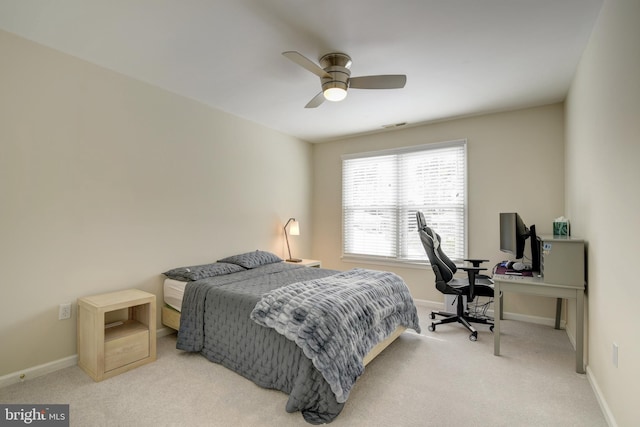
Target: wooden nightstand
<point x="308" y="263"/>
<point x="116" y="332"/>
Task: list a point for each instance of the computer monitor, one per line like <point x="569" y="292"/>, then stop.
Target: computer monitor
<point x="513" y="236"/>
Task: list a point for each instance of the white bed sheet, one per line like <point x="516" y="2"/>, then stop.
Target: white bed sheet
<point x="174" y="292"/>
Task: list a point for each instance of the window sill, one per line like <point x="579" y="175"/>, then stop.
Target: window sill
<point x="384" y="261"/>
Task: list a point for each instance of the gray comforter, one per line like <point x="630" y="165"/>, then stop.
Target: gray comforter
<point x="215" y="321"/>
<point x="338" y="319"/>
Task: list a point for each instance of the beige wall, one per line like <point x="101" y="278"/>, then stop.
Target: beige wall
<point x="515" y="163"/>
<point x="105" y="182"/>
<point x="603" y="201"/>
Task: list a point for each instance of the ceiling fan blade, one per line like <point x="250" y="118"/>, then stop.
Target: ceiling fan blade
<point x="316" y="101"/>
<point x="390" y="81"/>
<point x="306" y="63"/>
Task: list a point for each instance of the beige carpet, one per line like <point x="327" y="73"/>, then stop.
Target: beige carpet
<point x="434" y="379"/>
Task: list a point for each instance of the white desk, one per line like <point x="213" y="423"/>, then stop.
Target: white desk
<point x="537" y="286"/>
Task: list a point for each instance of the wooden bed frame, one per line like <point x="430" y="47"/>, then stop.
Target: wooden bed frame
<point x="171" y="318"/>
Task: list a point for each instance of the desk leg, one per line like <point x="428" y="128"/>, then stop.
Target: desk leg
<point x="497" y="311"/>
<point x="558" y="312"/>
<point x="579" y="331"/>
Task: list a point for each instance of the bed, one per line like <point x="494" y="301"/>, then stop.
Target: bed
<point x="308" y="332"/>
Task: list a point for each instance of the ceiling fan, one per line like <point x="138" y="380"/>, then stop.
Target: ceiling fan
<point x="335" y="75"/>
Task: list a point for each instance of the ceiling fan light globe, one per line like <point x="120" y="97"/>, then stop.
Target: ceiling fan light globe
<point x="335" y="94"/>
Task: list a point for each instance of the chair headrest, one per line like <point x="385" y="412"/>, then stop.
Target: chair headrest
<point x="421" y="221"/>
<point x="431" y="242"/>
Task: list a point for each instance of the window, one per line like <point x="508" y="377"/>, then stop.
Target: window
<point x="382" y="191"/>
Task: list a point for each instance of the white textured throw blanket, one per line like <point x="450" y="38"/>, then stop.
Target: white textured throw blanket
<point x="338" y="319"/>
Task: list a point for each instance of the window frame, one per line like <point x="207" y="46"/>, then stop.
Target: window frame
<point x="397" y="260"/>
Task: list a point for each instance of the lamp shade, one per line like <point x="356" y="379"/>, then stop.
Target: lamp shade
<point x="294" y="228"/>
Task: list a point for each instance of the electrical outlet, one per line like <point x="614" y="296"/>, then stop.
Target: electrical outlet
<point x="64" y="311"/>
<point x="614" y="354"/>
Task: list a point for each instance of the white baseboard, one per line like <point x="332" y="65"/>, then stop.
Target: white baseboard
<point x="163" y="332"/>
<point x="608" y="416"/>
<point x="547" y="321"/>
<point x="38" y="371"/>
<point x="56" y="365"/>
<point x="429" y="304"/>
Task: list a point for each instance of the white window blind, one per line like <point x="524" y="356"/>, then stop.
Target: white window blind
<point x="382" y="191"/>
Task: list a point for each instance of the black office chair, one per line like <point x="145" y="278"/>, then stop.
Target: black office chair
<point x="473" y="286"/>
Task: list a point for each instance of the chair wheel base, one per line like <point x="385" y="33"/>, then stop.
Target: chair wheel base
<point x="463" y="319"/>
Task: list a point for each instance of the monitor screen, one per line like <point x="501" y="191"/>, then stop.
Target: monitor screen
<point x="513" y="234"/>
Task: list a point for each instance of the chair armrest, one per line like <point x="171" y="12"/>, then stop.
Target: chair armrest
<point x="475" y="261"/>
<point x="475" y="269"/>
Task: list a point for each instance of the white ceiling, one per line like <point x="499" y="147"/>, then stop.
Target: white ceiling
<point x="461" y="57"/>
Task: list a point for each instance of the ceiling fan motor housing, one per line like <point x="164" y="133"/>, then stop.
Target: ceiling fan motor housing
<point x="337" y="65"/>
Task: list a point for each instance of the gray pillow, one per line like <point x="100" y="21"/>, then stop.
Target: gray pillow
<point x="253" y="259"/>
<point x="197" y="272"/>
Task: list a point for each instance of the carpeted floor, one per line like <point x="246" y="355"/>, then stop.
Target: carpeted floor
<point x="433" y="379"/>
